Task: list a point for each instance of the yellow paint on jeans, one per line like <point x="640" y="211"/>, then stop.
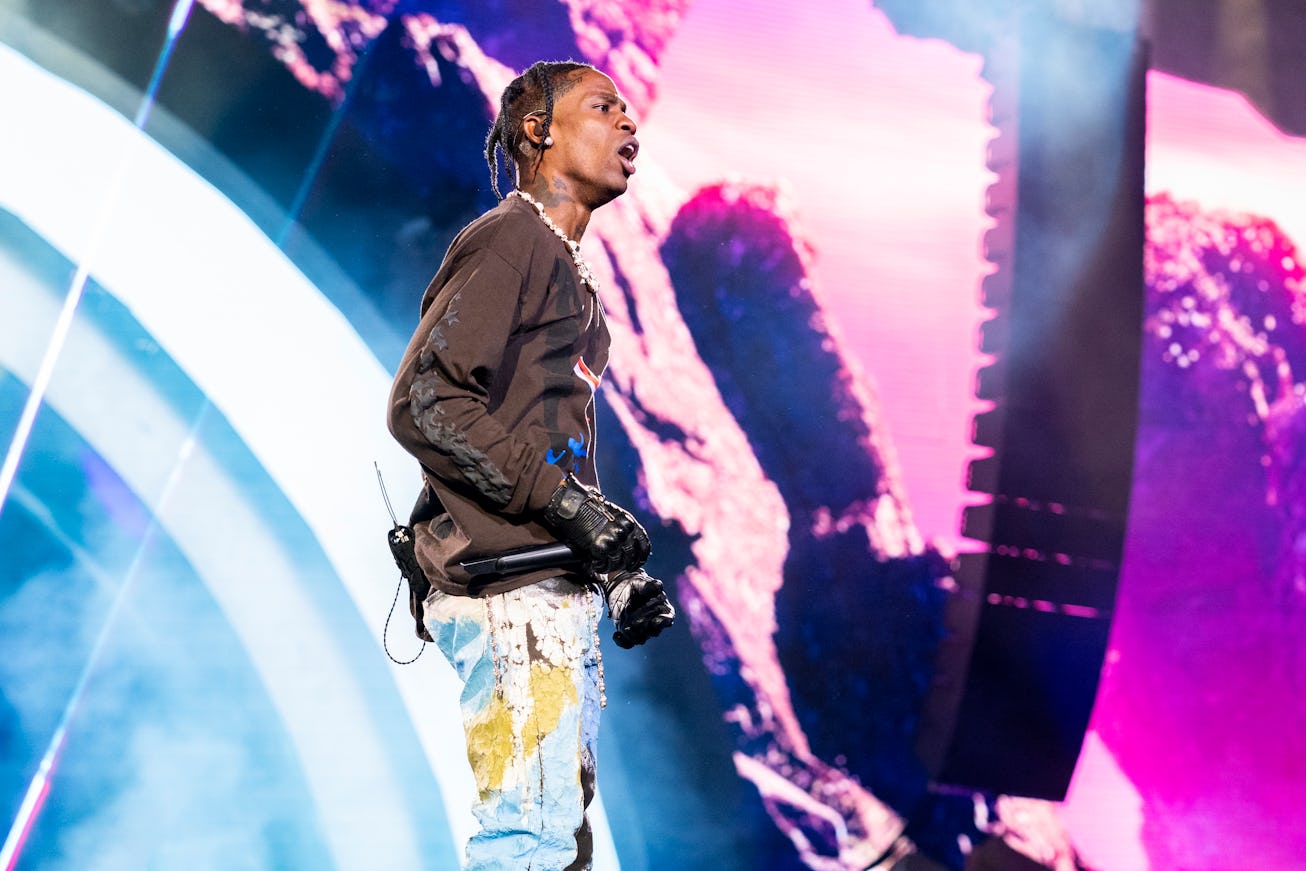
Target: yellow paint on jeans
<point x="489" y="745"/>
<point x="553" y="690"/>
<point x="490" y="737"/>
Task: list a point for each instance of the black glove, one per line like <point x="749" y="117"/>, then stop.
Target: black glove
<point x="637" y="605"/>
<point x="602" y="534"/>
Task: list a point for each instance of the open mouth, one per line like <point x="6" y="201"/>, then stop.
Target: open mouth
<point x="627" y="154"/>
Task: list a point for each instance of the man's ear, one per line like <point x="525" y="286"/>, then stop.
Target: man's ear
<point x="533" y="130"/>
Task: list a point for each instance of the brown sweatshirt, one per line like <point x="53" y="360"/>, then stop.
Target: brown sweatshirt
<point x="495" y="394"/>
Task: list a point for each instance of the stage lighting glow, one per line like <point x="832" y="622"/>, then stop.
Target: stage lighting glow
<point x="1210" y="146"/>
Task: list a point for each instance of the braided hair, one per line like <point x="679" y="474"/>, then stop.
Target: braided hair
<point x="534" y="91"/>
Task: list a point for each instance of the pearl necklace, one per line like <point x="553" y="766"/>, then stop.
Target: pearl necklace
<point x="586" y="274"/>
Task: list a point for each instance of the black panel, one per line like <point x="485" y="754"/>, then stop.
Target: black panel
<point x="1030" y="622"/>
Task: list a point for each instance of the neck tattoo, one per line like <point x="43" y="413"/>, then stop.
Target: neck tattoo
<point x="586" y="274"/>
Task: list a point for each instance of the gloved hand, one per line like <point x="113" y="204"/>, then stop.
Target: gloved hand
<point x="606" y="536"/>
<point x="638" y="606"/>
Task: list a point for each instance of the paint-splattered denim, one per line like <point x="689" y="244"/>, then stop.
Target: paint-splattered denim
<point x="529" y="662"/>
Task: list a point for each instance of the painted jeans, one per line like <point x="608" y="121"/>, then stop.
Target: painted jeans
<point x="532" y="689"/>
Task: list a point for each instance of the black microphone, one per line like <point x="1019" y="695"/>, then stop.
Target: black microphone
<point x="547" y="556"/>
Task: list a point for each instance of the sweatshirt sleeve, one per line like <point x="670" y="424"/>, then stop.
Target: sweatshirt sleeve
<point x="439" y="402"/>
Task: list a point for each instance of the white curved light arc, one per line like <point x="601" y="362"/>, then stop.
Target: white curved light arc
<point x="255" y="583"/>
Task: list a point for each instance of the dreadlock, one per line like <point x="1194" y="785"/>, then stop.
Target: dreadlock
<point x="532" y="92"/>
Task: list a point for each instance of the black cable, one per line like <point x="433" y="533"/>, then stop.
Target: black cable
<point x="384" y="644"/>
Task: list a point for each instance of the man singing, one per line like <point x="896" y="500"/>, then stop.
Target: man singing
<point x="495" y="398"/>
